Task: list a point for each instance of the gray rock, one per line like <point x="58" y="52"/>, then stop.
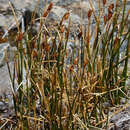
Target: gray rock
<point x="121" y="120"/>
<point x="66" y="2"/>
<point x="5" y="84"/>
<point x="3" y="106"/>
<point x="6" y="52"/>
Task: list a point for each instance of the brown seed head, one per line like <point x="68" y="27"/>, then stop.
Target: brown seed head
<point x="76" y="61"/>
<point x="105" y="19"/>
<point x="71" y="68"/>
<point x="116" y="42"/>
<point x="109" y="15"/>
<point x="33" y="44"/>
<point x="80" y="34"/>
<point x="104" y="2"/>
<point x="66" y="16"/>
<point x="89" y="13"/>
<point x="110" y="8"/>
<point x="50" y="7"/>
<point x="45" y="14"/>
<point x="34" y="53"/>
<point x="67" y="35"/>
<point x="47" y="47"/>
<point x="20" y="36"/>
<point x="62" y="28"/>
<point x="43" y="44"/>
<point x="85" y="62"/>
<point x="87" y="40"/>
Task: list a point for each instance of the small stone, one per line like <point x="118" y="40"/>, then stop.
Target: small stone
<point x="3" y="106"/>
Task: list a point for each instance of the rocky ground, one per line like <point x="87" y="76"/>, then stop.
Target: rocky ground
<point x="78" y="9"/>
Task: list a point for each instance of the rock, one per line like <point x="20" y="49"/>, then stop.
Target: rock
<point x="3" y="106"/>
<point x="121" y="120"/>
<point x="58" y="11"/>
<point x="5" y="84"/>
<point x="6" y="52"/>
<point x="65" y="2"/>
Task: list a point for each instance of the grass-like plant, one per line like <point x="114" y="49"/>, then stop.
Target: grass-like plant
<point x="55" y="94"/>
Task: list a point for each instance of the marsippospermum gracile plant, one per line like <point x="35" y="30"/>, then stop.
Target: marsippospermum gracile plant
<point x="57" y="95"/>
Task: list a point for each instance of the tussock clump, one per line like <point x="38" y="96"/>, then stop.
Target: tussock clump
<point x="57" y="95"/>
